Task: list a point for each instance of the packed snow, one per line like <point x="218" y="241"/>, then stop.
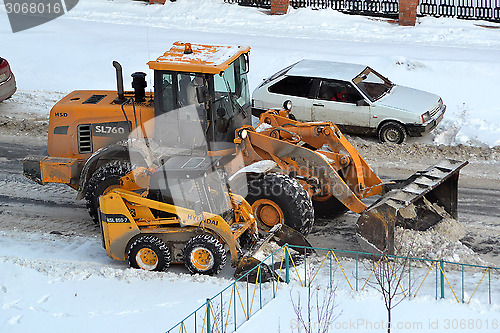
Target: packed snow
<point x="50" y="282"/>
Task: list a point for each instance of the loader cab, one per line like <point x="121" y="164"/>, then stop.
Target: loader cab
<point x="194" y="183"/>
<point x="203" y="92"/>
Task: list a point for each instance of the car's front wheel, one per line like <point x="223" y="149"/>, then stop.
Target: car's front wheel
<point x="392" y="132"/>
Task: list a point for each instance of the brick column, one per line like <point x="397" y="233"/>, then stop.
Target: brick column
<point x="408" y="12"/>
<point x="279" y="7"/>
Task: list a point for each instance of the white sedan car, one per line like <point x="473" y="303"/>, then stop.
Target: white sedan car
<point x="354" y="97"/>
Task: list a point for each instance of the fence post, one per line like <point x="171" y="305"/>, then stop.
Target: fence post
<point x="272" y="266"/>
<point x="248" y="302"/>
<point x="287" y="264"/>
<point x="408" y="12"/>
<point x="222" y="310"/>
<point x="383" y="271"/>
<point x="260" y="287"/>
<point x="234" y="307"/>
<point x="489" y="285"/>
<point x="305" y="267"/>
<point x="436" y="282"/>
<point x="409" y="279"/>
<point x="441" y="264"/>
<point x="279" y="7"/>
<point x="357" y="255"/>
<point x="209" y="329"/>
<point x="463" y="283"/>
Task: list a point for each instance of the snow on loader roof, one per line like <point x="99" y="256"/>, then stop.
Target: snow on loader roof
<point x="198" y="58"/>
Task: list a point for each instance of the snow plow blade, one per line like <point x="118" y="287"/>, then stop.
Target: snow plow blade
<point x="281" y="234"/>
<point x="418" y="202"/>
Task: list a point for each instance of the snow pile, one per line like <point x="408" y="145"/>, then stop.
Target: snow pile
<point x="441" y="241"/>
<point x="268" y="249"/>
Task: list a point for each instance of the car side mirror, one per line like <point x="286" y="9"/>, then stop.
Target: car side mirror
<point x="201" y="94"/>
<point x="362" y="102"/>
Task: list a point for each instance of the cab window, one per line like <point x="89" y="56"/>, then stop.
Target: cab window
<point x="165" y="89"/>
<point x="187" y="85"/>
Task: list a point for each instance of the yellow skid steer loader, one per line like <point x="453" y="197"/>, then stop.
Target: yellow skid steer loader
<point x="187" y="216"/>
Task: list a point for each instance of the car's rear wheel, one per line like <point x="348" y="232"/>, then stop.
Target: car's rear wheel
<point x="392" y="132"/>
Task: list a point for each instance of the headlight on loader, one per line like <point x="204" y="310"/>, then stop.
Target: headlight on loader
<point x="244" y="134"/>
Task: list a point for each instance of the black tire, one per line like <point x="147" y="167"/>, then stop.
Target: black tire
<point x="392" y="132"/>
<point x="204" y="254"/>
<point x="150" y="253"/>
<point x="277" y="197"/>
<point x="102" y="179"/>
<point x="330" y="207"/>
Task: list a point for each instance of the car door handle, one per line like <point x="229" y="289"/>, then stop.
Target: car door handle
<point x="318" y="104"/>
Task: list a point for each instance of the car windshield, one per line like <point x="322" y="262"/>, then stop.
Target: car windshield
<point x="372" y="84"/>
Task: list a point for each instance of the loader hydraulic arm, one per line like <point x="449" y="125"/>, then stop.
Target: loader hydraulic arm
<point x="316" y="135"/>
<point x="318" y="153"/>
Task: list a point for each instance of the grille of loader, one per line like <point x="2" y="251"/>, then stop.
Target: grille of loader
<point x="84" y="139"/>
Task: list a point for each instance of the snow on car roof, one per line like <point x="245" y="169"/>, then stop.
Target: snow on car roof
<point x="326" y="69"/>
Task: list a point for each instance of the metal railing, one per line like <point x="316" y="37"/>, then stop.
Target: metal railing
<point x="488" y="10"/>
<point x="239" y="301"/>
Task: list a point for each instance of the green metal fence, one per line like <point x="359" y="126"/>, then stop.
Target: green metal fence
<point x="239" y="301"/>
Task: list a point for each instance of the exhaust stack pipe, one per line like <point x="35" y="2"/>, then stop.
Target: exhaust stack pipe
<point x="139" y="84"/>
<point x="119" y="82"/>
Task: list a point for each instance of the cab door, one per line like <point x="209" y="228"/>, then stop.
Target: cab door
<point x="341" y="103"/>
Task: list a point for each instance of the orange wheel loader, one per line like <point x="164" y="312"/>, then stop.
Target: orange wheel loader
<point x="284" y="169"/>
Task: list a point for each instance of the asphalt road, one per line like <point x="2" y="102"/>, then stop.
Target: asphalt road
<point x="27" y="206"/>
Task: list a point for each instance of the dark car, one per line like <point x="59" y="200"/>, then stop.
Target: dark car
<point x="7" y="81"/>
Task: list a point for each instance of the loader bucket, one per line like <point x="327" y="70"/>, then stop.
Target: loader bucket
<point x="281" y="234"/>
<point x="418" y="202"/>
<point x="247" y="263"/>
<point x="290" y="236"/>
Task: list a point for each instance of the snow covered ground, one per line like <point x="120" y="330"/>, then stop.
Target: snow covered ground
<point x="456" y="59"/>
<point x="50" y="282"/>
<point x="53" y="285"/>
